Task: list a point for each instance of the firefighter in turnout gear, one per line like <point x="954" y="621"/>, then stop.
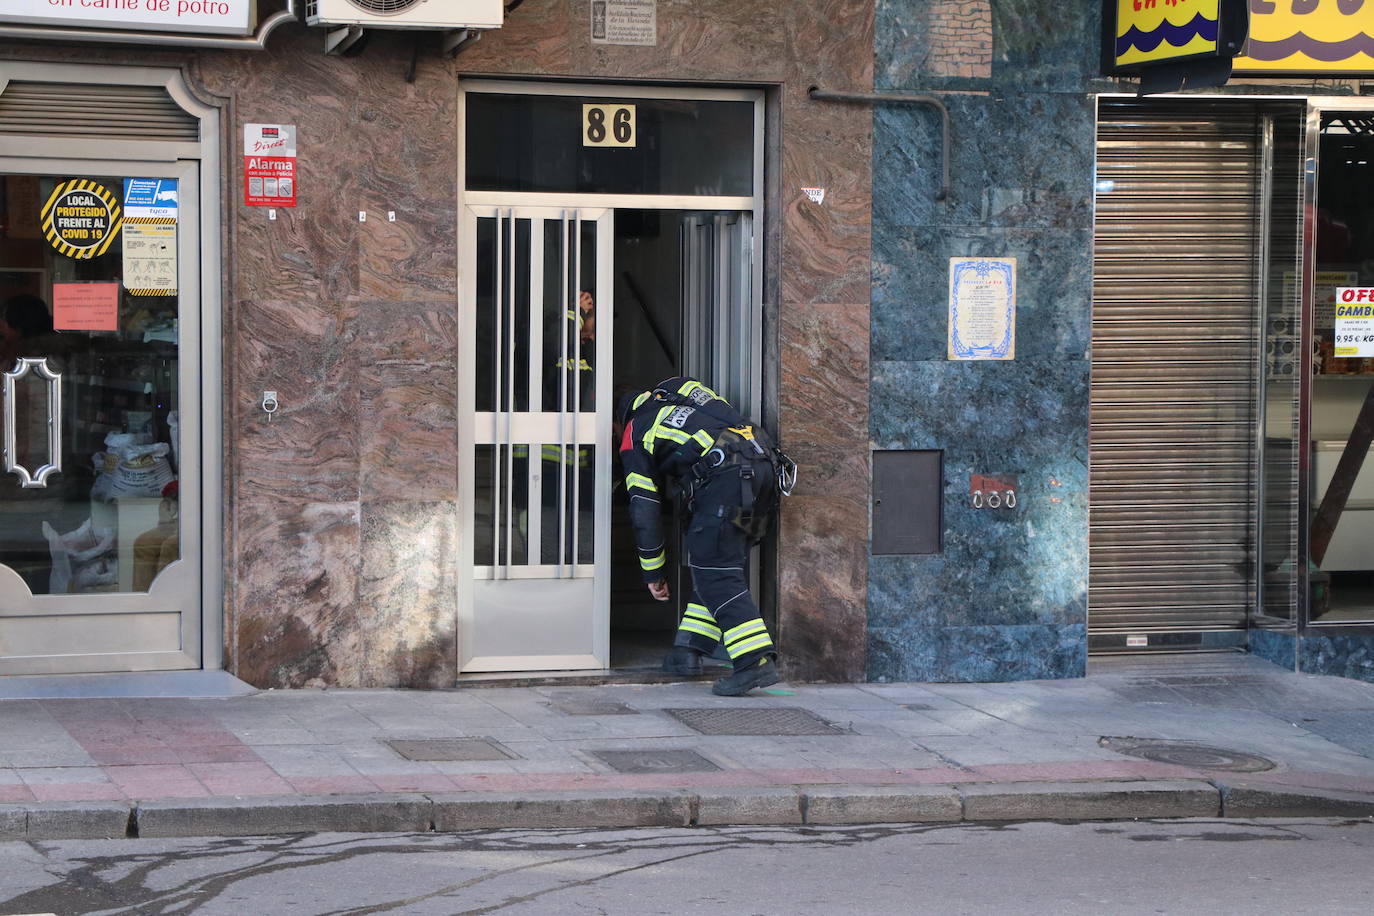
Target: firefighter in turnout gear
<point x="684" y="436"/>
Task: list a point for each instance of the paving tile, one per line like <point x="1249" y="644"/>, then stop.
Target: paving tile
<point x="332" y="785"/>
<point x="254" y="736"/>
<point x="156" y="781"/>
<point x="81" y="791"/>
<point x="293" y="761"/>
<point x="239" y="778"/>
<point x="38" y="776"/>
<point x="15" y="793"/>
<point x="115" y="755"/>
<point x="413" y="782"/>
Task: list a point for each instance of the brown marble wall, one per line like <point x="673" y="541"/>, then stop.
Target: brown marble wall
<point x="341" y="515"/>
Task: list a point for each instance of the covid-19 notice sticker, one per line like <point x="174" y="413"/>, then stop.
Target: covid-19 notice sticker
<point x="81" y="218"/>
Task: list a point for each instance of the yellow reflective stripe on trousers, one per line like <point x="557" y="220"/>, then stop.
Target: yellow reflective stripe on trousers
<point x="735" y="650"/>
<point x="748" y="628"/>
<point x="633" y="480"/>
<point x="652" y="563"/>
<point x="701" y="629"/>
<point x="700" y="612"/>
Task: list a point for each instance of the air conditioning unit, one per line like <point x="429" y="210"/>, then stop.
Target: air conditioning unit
<point x="407" y="14"/>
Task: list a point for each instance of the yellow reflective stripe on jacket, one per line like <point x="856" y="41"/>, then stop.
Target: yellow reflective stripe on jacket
<point x="633" y="480"/>
<point x="657" y="430"/>
<point x="651" y="563"/>
<point x="563" y="455"/>
<point x="704" y="439"/>
<point x="566" y="363"/>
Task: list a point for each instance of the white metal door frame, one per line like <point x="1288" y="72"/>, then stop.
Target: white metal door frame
<point x="473" y="203"/>
<point x="570" y="430"/>
<point x="196" y="165"/>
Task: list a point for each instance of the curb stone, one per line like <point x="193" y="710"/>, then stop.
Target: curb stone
<point x="751" y="807"/>
<point x="778" y="805"/>
<point x="882" y="805"/>
<point x="538" y="810"/>
<point x="78" y="820"/>
<point x="256" y="816"/>
<point x="1089" y="800"/>
<point x="14" y="822"/>
<point x="1274" y="800"/>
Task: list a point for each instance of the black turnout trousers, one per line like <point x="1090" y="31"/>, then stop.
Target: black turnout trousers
<point x="718" y="557"/>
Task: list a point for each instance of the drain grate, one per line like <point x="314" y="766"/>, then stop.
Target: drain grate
<point x="661" y="761"/>
<point x="591" y="706"/>
<point x="786" y="720"/>
<point x="450" y="749"/>
<point x="1194" y="756"/>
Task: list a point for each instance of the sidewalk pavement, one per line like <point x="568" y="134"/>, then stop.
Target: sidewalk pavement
<point x="1200" y="736"/>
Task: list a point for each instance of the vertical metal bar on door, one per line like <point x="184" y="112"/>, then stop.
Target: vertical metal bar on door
<point x="574" y="464"/>
<point x="1262" y="256"/>
<point x="534" y="523"/>
<point x="510" y="399"/>
<point x="725" y="362"/>
<point x="563" y="394"/>
<point x="496" y="295"/>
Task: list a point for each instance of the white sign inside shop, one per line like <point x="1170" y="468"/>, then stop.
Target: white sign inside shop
<point x="218" y="17"/>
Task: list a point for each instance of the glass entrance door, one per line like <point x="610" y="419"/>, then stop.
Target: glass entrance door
<point x="99" y="477"/>
<point x="1340" y="406"/>
<point x="535" y="408"/>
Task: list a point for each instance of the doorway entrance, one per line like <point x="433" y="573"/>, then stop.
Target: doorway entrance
<point x="589" y="267"/>
<point x="1336" y="422"/>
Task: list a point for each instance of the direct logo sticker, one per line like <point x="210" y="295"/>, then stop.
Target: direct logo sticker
<point x="81" y="218"/>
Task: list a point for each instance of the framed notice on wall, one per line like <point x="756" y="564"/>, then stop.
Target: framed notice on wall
<point x="982" y="308"/>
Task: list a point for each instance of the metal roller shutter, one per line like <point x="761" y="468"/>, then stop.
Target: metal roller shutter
<point x="88" y="111"/>
<point x="1174" y="364"/>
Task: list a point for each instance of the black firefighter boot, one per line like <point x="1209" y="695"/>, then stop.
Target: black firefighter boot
<point x="761" y="673"/>
<point x="683" y="660"/>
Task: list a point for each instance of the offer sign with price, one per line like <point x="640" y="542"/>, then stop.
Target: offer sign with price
<point x="1354" y="322"/>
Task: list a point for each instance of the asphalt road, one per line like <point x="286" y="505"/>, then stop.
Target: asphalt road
<point x="1198" y="866"/>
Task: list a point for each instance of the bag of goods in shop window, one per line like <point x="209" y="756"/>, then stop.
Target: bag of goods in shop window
<point x="138" y="469"/>
<point x="82" y="560"/>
